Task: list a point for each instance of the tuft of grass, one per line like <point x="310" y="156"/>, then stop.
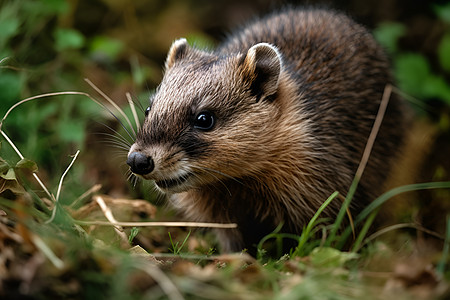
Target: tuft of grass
<point x="314" y="269"/>
<point x="306" y="233"/>
<point x="371" y="210"/>
<point x="176" y="247"/>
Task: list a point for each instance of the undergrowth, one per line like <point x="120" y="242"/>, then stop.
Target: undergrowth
<point x="62" y="239"/>
<point x="62" y="247"/>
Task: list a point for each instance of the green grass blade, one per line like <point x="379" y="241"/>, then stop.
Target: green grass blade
<point x="386" y="196"/>
<point x="364" y="231"/>
<point x="342" y="212"/>
<point x="440" y="268"/>
<point x="307" y="231"/>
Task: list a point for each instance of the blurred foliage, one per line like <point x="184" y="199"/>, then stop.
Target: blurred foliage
<point x="415" y="73"/>
<point x="52" y="45"/>
<point x="34" y="50"/>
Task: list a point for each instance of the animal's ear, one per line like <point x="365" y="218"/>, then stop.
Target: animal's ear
<point x="261" y="67"/>
<point x="177" y="51"/>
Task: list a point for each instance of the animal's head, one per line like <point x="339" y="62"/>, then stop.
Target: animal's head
<point x="209" y="118"/>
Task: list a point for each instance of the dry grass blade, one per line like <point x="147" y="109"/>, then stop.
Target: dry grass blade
<point x="58" y="193"/>
<point x="160" y="224"/>
<point x="39" y="243"/>
<point x="60" y="186"/>
<point x="92" y="190"/>
<point x="161" y="278"/>
<point x="396" y="227"/>
<point x="109" y="215"/>
<point x="376" y="127"/>
<point x="362" y="164"/>
<point x="38" y="97"/>
<point x="133" y="110"/>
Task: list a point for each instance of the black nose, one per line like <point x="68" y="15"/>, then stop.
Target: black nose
<point x="140" y="163"/>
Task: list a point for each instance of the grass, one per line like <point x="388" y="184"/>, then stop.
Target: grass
<point x="176" y="247"/>
<point x="66" y="259"/>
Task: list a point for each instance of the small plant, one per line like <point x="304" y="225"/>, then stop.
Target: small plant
<point x="176" y="247"/>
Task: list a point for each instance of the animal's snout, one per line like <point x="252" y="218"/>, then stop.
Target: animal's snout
<point x="140" y="163"/>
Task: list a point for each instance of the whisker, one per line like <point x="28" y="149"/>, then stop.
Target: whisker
<point x="115" y="143"/>
<point x="117" y="134"/>
<point x="121" y="124"/>
<point x="112" y="139"/>
<point x="118" y="146"/>
<point x="223" y="174"/>
<point x="211" y="173"/>
<point x="138" y="104"/>
<point x="114" y="105"/>
<point x="119" y="155"/>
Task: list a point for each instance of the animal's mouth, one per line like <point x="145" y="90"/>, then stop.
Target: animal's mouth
<point x="167" y="184"/>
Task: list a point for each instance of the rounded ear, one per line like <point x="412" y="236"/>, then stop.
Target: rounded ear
<point x="262" y="67"/>
<point x="177" y="51"/>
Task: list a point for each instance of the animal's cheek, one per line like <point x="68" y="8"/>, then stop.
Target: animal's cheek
<point x="226" y="162"/>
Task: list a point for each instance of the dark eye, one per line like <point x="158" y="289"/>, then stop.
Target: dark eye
<point x="147" y="110"/>
<point x="204" y="121"/>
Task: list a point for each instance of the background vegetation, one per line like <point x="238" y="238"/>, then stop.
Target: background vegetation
<point x="53" y="45"/>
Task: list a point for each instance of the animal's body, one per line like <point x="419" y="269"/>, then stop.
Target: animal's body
<point x="264" y="129"/>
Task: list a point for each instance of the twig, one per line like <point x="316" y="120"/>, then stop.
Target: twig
<point x="109" y="215"/>
<point x="105" y="209"/>
<point x="160" y="224"/>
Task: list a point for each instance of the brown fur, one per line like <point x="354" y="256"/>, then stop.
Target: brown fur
<point x="292" y="119"/>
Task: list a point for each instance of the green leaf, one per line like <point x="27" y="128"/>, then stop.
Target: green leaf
<point x="133" y="233"/>
<point x="443" y="12"/>
<point x="444" y="52"/>
<point x="412" y="70"/>
<point x="56" y="6"/>
<point x="27" y="164"/>
<point x="45" y="7"/>
<point x="71" y="131"/>
<point x="11" y="86"/>
<point x="106" y="46"/>
<point x="9" y="23"/>
<point x="200" y="40"/>
<point x="388" y="33"/>
<point x="68" y="39"/>
<point x="436" y="87"/>
<point x="330" y="257"/>
<point x="9" y="29"/>
<point x="12" y="185"/>
<point x="9" y="175"/>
